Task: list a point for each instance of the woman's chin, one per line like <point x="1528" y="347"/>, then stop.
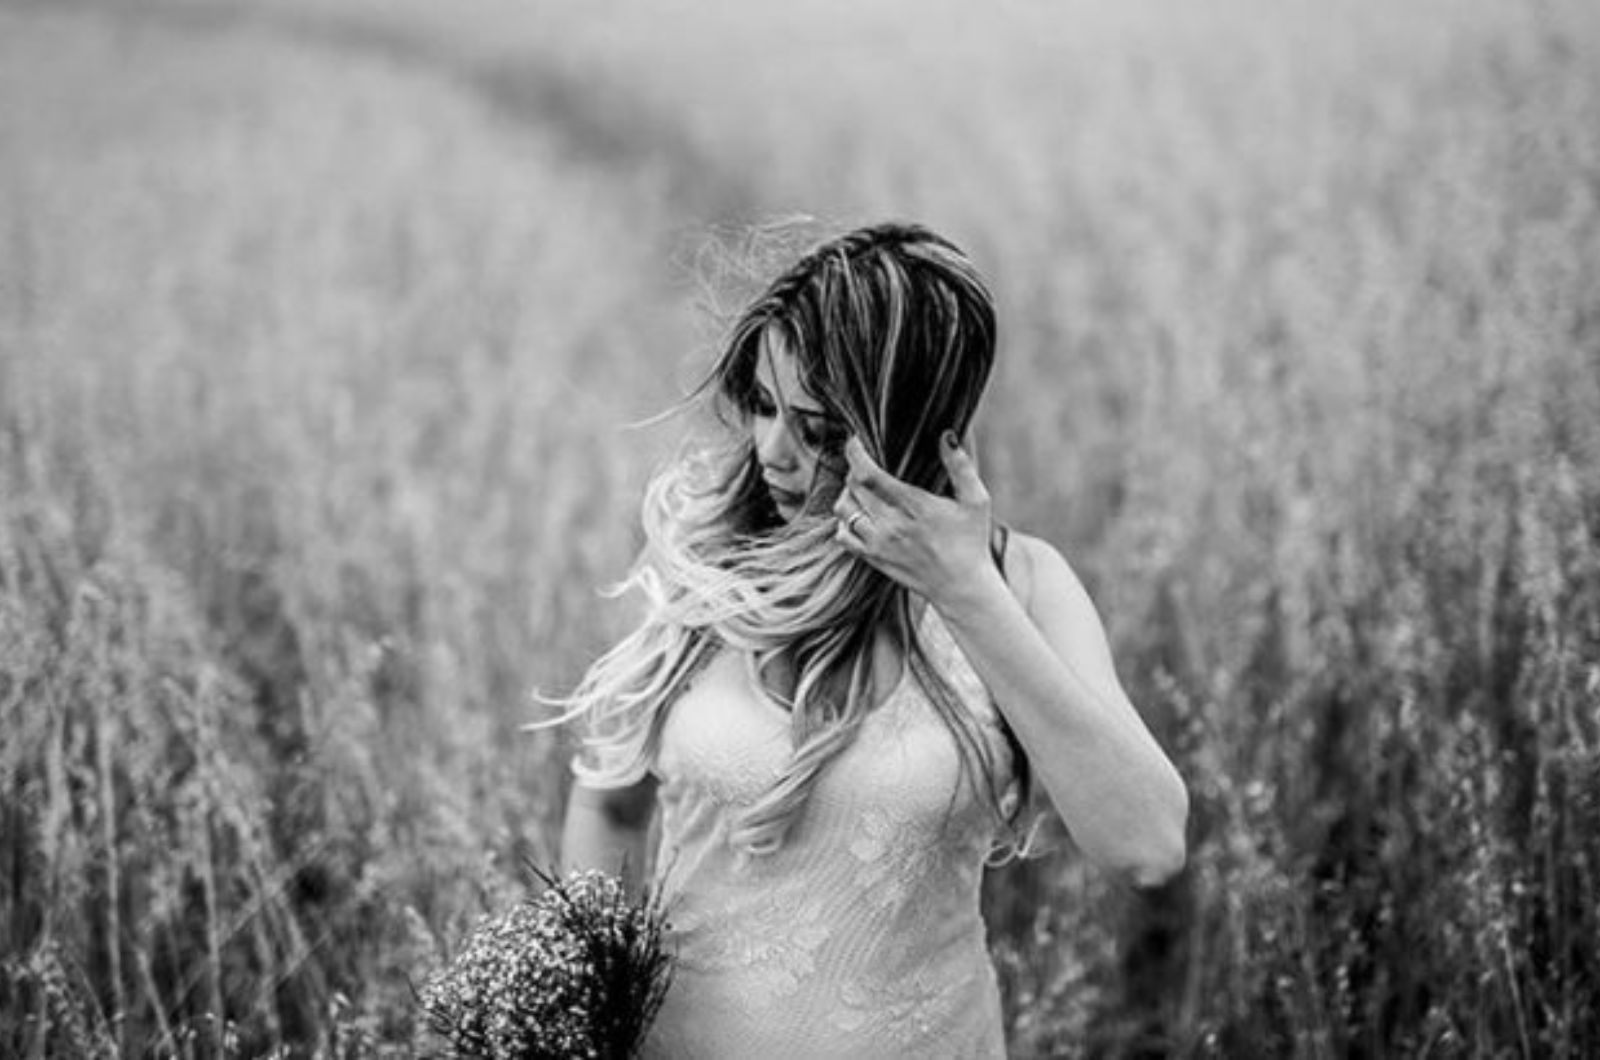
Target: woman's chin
<point x="789" y="505"/>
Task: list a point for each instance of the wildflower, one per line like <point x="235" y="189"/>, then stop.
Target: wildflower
<point x="577" y="970"/>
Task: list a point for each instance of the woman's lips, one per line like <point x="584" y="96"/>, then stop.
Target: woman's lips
<point x="785" y="498"/>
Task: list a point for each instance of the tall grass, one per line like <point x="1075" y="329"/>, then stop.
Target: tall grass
<point x="310" y="372"/>
<point x="311" y="464"/>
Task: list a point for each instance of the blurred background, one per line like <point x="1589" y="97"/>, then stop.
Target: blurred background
<point x="323" y="322"/>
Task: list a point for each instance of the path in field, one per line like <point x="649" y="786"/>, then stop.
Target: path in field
<point x="597" y="125"/>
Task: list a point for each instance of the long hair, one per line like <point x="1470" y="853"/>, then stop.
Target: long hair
<point x="893" y="332"/>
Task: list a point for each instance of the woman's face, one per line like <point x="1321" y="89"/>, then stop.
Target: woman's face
<point x="798" y="442"/>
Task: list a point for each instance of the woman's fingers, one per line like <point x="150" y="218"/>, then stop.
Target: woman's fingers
<point x="886" y="501"/>
<point x="964" y="479"/>
<point x="858" y="499"/>
<point x="867" y="480"/>
<point x="850" y="530"/>
<point x="866" y="477"/>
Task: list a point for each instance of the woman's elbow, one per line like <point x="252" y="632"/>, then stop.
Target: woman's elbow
<point x="1160" y="867"/>
<point x="1168" y="851"/>
<point x="1162" y="847"/>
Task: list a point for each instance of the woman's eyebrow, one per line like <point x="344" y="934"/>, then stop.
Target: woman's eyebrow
<point x="799" y="410"/>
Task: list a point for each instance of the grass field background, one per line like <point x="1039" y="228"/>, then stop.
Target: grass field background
<point x="321" y="324"/>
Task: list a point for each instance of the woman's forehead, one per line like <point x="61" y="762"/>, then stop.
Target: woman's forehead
<point x="778" y="370"/>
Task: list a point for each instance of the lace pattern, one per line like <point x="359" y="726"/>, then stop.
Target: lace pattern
<point x="861" y="935"/>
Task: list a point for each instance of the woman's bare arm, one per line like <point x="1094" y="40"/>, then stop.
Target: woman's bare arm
<point x="607" y="829"/>
<point x="1046" y="662"/>
<point x="1049" y="667"/>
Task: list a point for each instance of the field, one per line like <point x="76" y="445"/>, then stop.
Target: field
<point x="327" y="330"/>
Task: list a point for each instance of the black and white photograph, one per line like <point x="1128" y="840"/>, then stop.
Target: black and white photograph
<point x="819" y="530"/>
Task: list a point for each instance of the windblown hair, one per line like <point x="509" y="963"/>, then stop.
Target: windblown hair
<point x="893" y="332"/>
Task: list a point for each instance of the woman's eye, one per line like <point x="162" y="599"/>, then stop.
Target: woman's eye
<point x="822" y="435"/>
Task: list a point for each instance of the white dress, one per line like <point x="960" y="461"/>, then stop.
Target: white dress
<point x="861" y="935"/>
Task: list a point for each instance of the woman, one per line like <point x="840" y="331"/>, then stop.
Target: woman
<point x="850" y="684"/>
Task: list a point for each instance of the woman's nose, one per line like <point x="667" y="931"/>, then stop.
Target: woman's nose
<point x="774" y="444"/>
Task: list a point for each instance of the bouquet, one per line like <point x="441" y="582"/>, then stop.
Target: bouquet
<point x="577" y="970"/>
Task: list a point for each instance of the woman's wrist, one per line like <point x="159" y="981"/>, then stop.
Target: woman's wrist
<point x="973" y="597"/>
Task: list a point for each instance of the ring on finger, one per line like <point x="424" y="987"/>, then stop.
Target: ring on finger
<point x="851" y="521"/>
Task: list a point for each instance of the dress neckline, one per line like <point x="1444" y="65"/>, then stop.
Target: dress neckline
<point x="920" y="624"/>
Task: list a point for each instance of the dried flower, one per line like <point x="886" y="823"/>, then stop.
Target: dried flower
<point x="577" y="970"/>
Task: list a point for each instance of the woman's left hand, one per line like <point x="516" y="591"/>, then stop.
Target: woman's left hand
<point x="935" y="546"/>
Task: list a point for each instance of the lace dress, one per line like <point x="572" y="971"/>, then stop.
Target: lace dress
<point x="861" y="935"/>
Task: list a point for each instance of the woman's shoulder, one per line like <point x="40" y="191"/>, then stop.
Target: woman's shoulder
<point x="1040" y="576"/>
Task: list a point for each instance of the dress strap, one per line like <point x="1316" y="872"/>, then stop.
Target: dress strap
<point x="999" y="537"/>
